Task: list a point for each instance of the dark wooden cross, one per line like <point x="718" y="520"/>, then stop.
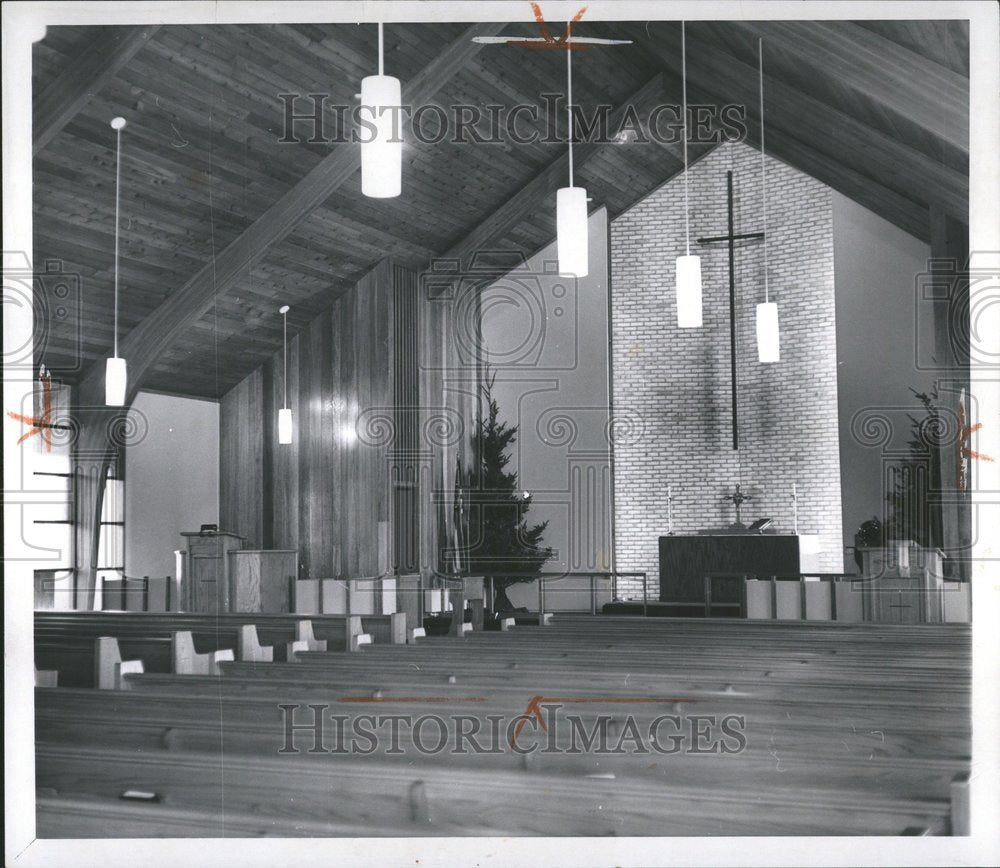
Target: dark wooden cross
<point x="731" y="237"/>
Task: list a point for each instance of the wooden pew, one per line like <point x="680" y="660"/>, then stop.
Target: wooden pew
<point x="339" y="631"/>
<point x="799" y="686"/>
<point x="456" y="800"/>
<point x="183" y="725"/>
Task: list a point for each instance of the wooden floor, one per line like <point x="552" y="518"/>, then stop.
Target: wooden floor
<point x="850" y="729"/>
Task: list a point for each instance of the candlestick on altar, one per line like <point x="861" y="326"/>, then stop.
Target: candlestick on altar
<point x="795" y="509"/>
<point x="670" y="511"/>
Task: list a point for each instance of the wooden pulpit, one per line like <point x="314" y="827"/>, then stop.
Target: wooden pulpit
<point x="204" y="584"/>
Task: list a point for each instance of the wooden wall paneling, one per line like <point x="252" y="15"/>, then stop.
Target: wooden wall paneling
<point x="309" y="485"/>
<point x="241" y="440"/>
<point x="350" y="334"/>
<point x="384" y="352"/>
<point x="285" y="464"/>
<point x="270" y="372"/>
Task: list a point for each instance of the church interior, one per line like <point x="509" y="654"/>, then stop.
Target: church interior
<point x="500" y="428"/>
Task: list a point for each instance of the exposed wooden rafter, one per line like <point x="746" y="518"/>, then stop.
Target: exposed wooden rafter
<point x="932" y="96"/>
<point x="184" y="307"/>
<point x="826" y="130"/>
<point x="541" y="190"/>
<point x="96" y="65"/>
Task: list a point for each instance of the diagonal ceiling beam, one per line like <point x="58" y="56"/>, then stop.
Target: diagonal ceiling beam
<point x="930" y="95"/>
<point x="898" y="209"/>
<point x="185" y="306"/>
<point x="868" y="153"/>
<point x="540" y="191"/>
<point x="85" y="77"/>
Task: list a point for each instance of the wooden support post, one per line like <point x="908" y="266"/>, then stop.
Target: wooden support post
<point x="949" y="238"/>
<point x="541" y="601"/>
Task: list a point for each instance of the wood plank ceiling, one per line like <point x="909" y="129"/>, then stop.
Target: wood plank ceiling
<point x="203" y="161"/>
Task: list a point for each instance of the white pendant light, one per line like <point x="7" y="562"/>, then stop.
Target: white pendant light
<point x="688" y="276"/>
<point x="768" y="338"/>
<point x="571" y="201"/>
<point x="115" y="371"/>
<point x="382" y="141"/>
<point x="768" y="345"/>
<point x="285" y="414"/>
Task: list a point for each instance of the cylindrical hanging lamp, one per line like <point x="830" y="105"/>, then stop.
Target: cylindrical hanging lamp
<point x="688" y="285"/>
<point x="768" y="345"/>
<point x="115" y="370"/>
<point x="285" y="414"/>
<point x="768" y="337"/>
<point x="381" y="133"/>
<point x="571" y="202"/>
<point x="687" y="280"/>
<point x="571" y="231"/>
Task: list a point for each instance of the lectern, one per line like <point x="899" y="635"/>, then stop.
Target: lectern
<point x="205" y="585"/>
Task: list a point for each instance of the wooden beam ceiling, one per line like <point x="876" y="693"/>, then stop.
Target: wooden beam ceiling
<point x="932" y="96"/>
<point x="222" y="223"/>
<point x="96" y="65"/>
<point x="184" y="307"/>
<point x="826" y="143"/>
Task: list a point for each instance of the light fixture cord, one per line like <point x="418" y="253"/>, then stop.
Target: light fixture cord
<point x="763" y="175"/>
<point x="284" y="341"/>
<point x="381" y="49"/>
<point x="569" y="101"/>
<point x="118" y="186"/>
<point x="684" y="101"/>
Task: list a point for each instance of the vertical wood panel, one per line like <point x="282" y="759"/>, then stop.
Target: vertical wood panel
<point x="328" y="491"/>
<point x="285" y="464"/>
<point x="241" y="457"/>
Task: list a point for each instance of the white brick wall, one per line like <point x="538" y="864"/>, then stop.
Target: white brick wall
<point x="672" y="386"/>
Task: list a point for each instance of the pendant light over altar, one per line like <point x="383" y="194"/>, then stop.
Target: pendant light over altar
<point x="768" y="343"/>
<point x="285" y="414"/>
<point x="571" y="202"/>
<point x="382" y="141"/>
<point x="688" y="276"/>
<point x="115" y="371"/>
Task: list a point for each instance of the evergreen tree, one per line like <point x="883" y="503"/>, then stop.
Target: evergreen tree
<point x="501" y="543"/>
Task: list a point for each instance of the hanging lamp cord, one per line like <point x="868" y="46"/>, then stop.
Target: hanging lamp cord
<point x="569" y="101"/>
<point x="763" y="175"/>
<point x="684" y="102"/>
<point x="118" y="187"/>
<point x="284" y="318"/>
